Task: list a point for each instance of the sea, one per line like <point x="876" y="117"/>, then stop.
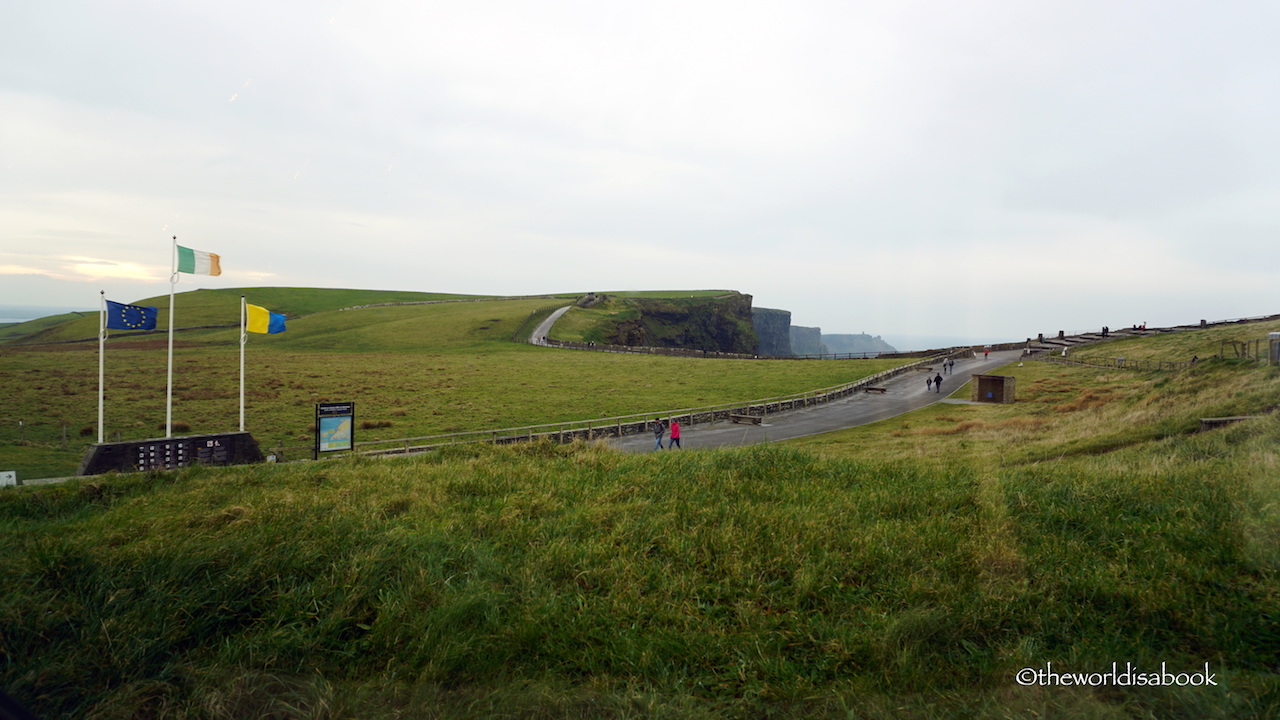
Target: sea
<point x="916" y="343"/>
<point x="23" y="313"/>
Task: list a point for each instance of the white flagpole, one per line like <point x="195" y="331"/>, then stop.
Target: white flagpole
<point x="102" y="344"/>
<point x="168" y="398"/>
<point x="244" y="336"/>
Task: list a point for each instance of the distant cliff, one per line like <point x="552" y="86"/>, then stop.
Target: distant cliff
<point x="861" y="343"/>
<point x="807" y="341"/>
<point x="774" y="330"/>
<point x="721" y="324"/>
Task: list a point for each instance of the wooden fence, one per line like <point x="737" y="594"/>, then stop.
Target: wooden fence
<point x="1117" y="363"/>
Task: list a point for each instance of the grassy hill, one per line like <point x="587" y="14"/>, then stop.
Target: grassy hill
<point x="413" y="370"/>
<point x="913" y="570"/>
<point x="215" y="307"/>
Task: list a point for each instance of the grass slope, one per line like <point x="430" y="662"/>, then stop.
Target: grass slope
<point x="545" y="581"/>
<point x="217" y="307"/>
<point x="909" y="574"/>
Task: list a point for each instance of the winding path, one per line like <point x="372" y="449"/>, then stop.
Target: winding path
<point x="902" y="395"/>
<point x="544" y="327"/>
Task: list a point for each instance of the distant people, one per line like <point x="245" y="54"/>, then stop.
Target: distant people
<point x="937" y="383"/>
<point x="675" y="435"/>
<point x="928" y="383"/>
<point x="659" y="430"/>
<point x="951" y="365"/>
<point x="986" y="353"/>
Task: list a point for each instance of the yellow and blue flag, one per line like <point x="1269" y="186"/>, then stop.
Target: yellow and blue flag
<point x="262" y="320"/>
<point x="130" y="317"/>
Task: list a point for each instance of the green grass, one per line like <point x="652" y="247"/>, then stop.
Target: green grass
<point x="415" y="370"/>
<point x="909" y="568"/>
<point x="11" y="331"/>
<point x="216" y="307"/>
<point x="1184" y="345"/>
<point x="557" y="581"/>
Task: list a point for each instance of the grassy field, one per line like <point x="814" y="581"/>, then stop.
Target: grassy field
<point x="908" y="569"/>
<point x="574" y="581"/>
<point x="412" y="370"/>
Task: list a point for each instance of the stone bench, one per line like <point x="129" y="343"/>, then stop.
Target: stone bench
<point x="753" y="419"/>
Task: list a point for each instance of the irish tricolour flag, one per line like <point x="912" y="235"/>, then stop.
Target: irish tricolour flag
<point x="198" y="263"/>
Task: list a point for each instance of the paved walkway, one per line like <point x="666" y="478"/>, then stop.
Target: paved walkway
<point x="544" y="328"/>
<point x="902" y="394"/>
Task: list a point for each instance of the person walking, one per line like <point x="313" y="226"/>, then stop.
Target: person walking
<point x="937" y="383"/>
<point x="658" y="431"/>
<point x="928" y="384"/>
<point x="675" y="435"/>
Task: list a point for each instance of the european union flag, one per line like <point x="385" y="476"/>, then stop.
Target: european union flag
<point x="130" y="317"/>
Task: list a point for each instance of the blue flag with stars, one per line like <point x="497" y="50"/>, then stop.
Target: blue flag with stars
<point x="130" y="317"/>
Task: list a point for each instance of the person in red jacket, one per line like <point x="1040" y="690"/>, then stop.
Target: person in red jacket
<point x="674" y="435"/>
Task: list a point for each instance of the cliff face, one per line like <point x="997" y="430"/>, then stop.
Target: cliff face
<point x="807" y="341"/>
<point x="860" y="343"/>
<point x="774" y="329"/>
<point x="721" y="324"/>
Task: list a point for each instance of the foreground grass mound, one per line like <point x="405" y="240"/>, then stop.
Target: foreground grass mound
<point x="574" y="581"/>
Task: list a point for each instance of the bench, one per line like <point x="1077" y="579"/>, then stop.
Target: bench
<point x="1214" y="423"/>
<point x="753" y="419"/>
<point x="871" y="389"/>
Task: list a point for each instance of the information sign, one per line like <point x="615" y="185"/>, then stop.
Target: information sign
<point x="335" y="427"/>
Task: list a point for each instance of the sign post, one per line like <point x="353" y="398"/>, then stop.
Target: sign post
<point x="335" y="428"/>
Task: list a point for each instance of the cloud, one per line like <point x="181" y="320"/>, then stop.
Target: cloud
<point x="909" y="166"/>
<point x="97" y="269"/>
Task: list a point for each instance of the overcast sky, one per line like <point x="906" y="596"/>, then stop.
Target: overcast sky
<point x="980" y="169"/>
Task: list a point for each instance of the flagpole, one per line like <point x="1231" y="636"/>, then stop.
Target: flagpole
<point x="168" y="398"/>
<point x="102" y="344"/>
<point x="243" y="339"/>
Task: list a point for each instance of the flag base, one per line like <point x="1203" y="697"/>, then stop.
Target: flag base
<point x="237" y="448"/>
